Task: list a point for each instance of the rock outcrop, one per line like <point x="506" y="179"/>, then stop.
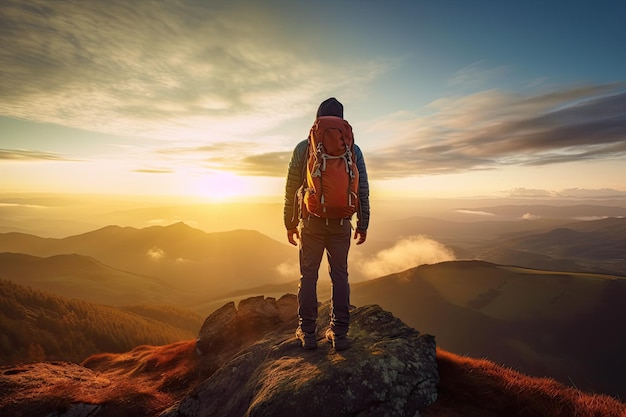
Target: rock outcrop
<point x="247" y="362"/>
<point x="389" y="369"/>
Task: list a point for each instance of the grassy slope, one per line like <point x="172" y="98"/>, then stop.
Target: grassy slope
<point x="543" y="323"/>
<point x="36" y="325"/>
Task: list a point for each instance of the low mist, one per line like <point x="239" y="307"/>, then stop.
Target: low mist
<point x="405" y="254"/>
<point x="289" y="270"/>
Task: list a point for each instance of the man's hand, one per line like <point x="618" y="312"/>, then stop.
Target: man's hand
<point x="293" y="235"/>
<point x="361" y="235"/>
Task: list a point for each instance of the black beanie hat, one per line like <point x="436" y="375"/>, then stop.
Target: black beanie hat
<point x="330" y="107"/>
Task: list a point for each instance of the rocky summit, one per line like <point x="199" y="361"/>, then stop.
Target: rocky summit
<point x="389" y="369"/>
<point x="246" y="362"/>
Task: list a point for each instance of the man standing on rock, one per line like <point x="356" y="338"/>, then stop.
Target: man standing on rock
<point x="326" y="184"/>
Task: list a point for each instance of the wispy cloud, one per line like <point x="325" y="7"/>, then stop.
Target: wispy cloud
<point x="233" y="157"/>
<point x="569" y="193"/>
<point x="268" y="164"/>
<point x="484" y="131"/>
<point x="530" y="193"/>
<point x="28" y="155"/>
<point x="153" y="171"/>
<point x="474" y="212"/>
<point x="496" y="128"/>
<point x="176" y="69"/>
<point x="476" y="75"/>
<point x="36" y="206"/>
<point x="223" y="76"/>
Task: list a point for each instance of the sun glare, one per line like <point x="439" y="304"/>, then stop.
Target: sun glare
<point x="221" y="186"/>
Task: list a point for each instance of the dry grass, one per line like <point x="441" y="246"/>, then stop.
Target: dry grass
<point x="149" y="379"/>
<point x="143" y="382"/>
<point x="170" y="368"/>
<point x="479" y="388"/>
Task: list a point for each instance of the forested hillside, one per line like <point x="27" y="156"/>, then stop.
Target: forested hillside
<point x="36" y="326"/>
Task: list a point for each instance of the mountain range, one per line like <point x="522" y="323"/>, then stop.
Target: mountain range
<point x="542" y="243"/>
<point x="202" y="264"/>
<point x="546" y="303"/>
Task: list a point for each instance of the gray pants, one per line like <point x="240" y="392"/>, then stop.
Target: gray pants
<point x="317" y="235"/>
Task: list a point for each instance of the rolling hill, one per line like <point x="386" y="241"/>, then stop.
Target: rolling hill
<point x="557" y="324"/>
<point x="85" y="278"/>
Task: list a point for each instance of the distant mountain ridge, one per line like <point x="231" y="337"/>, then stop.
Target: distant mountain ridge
<point x="543" y="243"/>
<point x="553" y="211"/>
<point x="598" y="245"/>
<point x="179" y="255"/>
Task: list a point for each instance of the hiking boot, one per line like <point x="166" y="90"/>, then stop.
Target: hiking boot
<point x="340" y="342"/>
<point x="308" y="340"/>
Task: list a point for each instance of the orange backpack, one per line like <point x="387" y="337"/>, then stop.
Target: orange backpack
<point x="332" y="178"/>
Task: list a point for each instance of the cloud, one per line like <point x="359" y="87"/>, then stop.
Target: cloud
<point x="233" y="157"/>
<point x="405" y="254"/>
<point x="183" y="69"/>
<point x="530" y="193"/>
<point x="28" y="155"/>
<point x="155" y="253"/>
<point x="474" y="212"/>
<point x="36" y="206"/>
<point x="271" y="164"/>
<point x="495" y="128"/>
<point x="483" y="131"/>
<point x="215" y="73"/>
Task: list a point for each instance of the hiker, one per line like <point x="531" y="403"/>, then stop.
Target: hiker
<point x="320" y="218"/>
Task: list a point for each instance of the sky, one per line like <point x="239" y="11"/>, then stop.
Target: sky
<point x="209" y="98"/>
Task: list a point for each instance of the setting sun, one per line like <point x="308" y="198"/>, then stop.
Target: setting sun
<point x="220" y="186"/>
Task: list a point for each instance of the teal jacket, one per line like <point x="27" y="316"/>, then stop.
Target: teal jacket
<point x="295" y="179"/>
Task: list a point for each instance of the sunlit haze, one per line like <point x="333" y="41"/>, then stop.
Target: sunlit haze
<point x="206" y="99"/>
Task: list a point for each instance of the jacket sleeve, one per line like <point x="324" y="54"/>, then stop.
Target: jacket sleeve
<point x="363" y="215"/>
<point x="291" y="214"/>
